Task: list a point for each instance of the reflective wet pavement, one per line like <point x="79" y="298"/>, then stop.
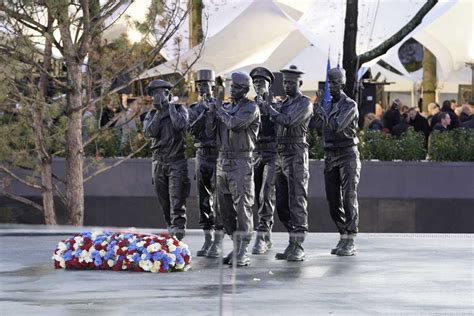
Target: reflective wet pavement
<point x="392" y="274"/>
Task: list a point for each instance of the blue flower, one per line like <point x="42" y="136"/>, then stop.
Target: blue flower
<point x="68" y="255"/>
<point x="136" y="257"/>
<point x="97" y="261"/>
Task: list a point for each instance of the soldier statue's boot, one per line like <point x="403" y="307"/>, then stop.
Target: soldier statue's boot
<point x="339" y="245"/>
<point x="215" y="250"/>
<point x="348" y="249"/>
<point x="228" y="259"/>
<point x="242" y="258"/>
<point x="297" y="252"/>
<point x="178" y="233"/>
<point x="268" y="240"/>
<point x="207" y="243"/>
<point x="283" y="255"/>
<point x="260" y="246"/>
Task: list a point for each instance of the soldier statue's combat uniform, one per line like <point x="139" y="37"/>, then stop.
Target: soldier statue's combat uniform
<point x="292" y="117"/>
<point x="166" y="124"/>
<point x="206" y="158"/>
<point x="236" y="127"/>
<point x="265" y="154"/>
<point x="338" y="124"/>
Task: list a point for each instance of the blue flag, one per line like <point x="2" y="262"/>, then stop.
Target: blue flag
<point x="327" y="96"/>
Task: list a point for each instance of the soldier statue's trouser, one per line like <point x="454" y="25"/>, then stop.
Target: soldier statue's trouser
<point x="264" y="177"/>
<point x="235" y="195"/>
<point x="206" y="187"/>
<point x="341" y="175"/>
<point x="291" y="181"/>
<point x="172" y="187"/>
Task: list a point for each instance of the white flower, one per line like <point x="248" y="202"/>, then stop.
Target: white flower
<point x="62" y="264"/>
<point x="172" y="257"/>
<point x="143" y="256"/>
<point x="145" y="265"/>
<point x="62" y="246"/>
<point x="95" y="234"/>
<point x="140" y="243"/>
<point x="153" y="247"/>
<point x="172" y="248"/>
<point x="92" y="249"/>
<point x="85" y="256"/>
<point x="180" y="266"/>
<point x="78" y="239"/>
<point x="155" y="267"/>
<point x="105" y="243"/>
<point x="130" y="258"/>
<point x="110" y="262"/>
<point x="102" y="253"/>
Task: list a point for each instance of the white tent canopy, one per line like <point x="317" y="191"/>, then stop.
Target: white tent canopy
<point x="276" y="34"/>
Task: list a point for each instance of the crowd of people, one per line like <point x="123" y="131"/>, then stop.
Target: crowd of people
<point x="399" y="118"/>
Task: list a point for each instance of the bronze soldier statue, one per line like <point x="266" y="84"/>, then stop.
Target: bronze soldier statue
<point x="292" y="117"/>
<point x="166" y="124"/>
<point x="206" y="158"/>
<point x="264" y="161"/>
<point x="235" y="126"/>
<point x="338" y="124"/>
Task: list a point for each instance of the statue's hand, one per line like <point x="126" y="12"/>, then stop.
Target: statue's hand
<point x="220" y="97"/>
<point x="319" y="98"/>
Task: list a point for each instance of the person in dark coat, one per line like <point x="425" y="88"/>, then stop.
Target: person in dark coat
<point x="166" y="125"/>
<point x="419" y="123"/>
<point x="292" y="117"/>
<point x="235" y="126"/>
<point x="206" y="159"/>
<point x="401" y="127"/>
<point x="265" y="155"/>
<point x="454" y="118"/>
<point x="444" y="122"/>
<point x="392" y="117"/>
<point x="338" y="122"/>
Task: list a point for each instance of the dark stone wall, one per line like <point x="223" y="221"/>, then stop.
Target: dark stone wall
<point x="405" y="197"/>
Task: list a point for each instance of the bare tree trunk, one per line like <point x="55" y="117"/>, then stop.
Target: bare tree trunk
<point x="349" y="61"/>
<point x="429" y="78"/>
<point x="43" y="155"/>
<point x="74" y="150"/>
<point x="196" y="36"/>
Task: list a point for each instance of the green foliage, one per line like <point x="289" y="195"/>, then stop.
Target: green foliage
<point x="455" y="145"/>
<point x="190" y="149"/>
<point x="315" y="142"/>
<point x="381" y="146"/>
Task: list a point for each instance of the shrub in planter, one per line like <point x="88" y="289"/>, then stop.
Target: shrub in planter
<point x="455" y="145"/>
<point x="381" y="146"/>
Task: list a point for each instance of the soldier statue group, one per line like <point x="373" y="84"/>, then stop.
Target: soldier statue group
<point x="254" y="152"/>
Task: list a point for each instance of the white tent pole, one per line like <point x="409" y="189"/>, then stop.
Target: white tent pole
<point x="413" y="94"/>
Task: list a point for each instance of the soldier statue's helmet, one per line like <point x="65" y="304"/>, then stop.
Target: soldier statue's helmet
<point x="156" y="84"/>
<point x="262" y="72"/>
<point x="292" y="73"/>
<point x="338" y="74"/>
<point x="205" y="75"/>
<point x="241" y="78"/>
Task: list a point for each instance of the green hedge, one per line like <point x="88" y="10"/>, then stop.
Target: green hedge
<point x="456" y="145"/>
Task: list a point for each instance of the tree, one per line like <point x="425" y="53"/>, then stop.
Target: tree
<point x="74" y="29"/>
<point x="351" y="60"/>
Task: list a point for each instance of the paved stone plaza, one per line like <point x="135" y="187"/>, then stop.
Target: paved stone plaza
<point x="392" y="274"/>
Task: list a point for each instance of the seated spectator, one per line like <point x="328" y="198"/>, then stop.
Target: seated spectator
<point x="454" y="119"/>
<point x="378" y="111"/>
<point x="419" y="123"/>
<point x="444" y="122"/>
<point x="392" y="117"/>
<point x="401" y="127"/>
<point x="465" y="113"/>
<point x="433" y="110"/>
<point x="404" y="109"/>
<point x="371" y="122"/>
